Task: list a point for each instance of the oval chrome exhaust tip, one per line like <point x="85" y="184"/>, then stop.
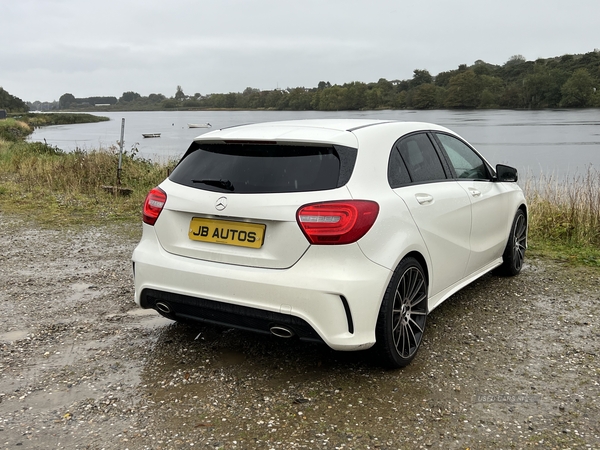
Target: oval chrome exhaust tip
<point x="163" y="308"/>
<point x="280" y="331"/>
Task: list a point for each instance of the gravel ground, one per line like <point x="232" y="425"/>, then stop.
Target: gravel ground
<point x="507" y="363"/>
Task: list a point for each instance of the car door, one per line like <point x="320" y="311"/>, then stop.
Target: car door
<point x="439" y="206"/>
<point x="489" y="205"/>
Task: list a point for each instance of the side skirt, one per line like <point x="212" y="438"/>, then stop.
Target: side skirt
<point x="437" y="299"/>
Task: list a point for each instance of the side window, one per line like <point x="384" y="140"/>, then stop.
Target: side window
<point x="467" y="164"/>
<point x="397" y="172"/>
<point x="421" y="159"/>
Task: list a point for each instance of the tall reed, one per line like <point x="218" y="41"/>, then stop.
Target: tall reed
<point x="38" y="165"/>
<point x="48" y="183"/>
<point x="565" y="210"/>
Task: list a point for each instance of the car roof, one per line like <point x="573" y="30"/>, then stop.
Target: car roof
<point x="319" y="131"/>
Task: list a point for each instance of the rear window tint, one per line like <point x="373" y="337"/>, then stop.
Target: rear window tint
<point x="262" y="168"/>
<point x="422" y="161"/>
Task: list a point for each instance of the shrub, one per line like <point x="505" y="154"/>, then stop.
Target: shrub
<point x="14" y="130"/>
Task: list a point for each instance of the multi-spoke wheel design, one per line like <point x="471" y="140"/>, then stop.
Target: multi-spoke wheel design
<point x="403" y="314"/>
<point x="514" y="254"/>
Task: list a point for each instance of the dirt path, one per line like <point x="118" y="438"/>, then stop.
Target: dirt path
<point x="506" y="363"/>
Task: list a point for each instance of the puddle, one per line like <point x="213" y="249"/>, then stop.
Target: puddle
<point x="69" y="373"/>
<point x="82" y="291"/>
<point x="151" y="319"/>
<point x="231" y="358"/>
<point x="157" y="322"/>
<point x="145" y="318"/>
<point x="140" y="312"/>
<point x="57" y="398"/>
<point x="12" y="336"/>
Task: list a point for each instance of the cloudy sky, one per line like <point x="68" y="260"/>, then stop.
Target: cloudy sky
<point x="96" y="48"/>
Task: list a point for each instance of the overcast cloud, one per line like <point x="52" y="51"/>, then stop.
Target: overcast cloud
<point x="104" y="48"/>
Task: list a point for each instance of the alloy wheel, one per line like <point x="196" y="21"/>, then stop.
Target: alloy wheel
<point x="409" y="312"/>
<point x="519" y="238"/>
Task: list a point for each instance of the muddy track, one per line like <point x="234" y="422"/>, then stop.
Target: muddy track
<point x="506" y="363"/>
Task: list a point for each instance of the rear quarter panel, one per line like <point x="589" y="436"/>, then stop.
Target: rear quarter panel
<point x="394" y="233"/>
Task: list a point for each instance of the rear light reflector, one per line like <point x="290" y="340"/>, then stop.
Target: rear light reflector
<point x="337" y="222"/>
<point x="153" y="205"/>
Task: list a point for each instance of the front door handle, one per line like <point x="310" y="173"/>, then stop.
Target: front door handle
<point x="474" y="192"/>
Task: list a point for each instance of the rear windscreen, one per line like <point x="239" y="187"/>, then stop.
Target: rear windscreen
<point x="263" y="168"/>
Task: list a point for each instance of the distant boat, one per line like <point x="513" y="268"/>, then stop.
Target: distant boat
<point x="150" y="135"/>
<point x="199" y="125"/>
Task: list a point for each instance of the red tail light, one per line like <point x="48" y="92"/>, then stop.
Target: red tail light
<point x="153" y="205"/>
<point x="332" y="223"/>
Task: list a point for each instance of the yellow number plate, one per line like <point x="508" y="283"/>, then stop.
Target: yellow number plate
<point x="242" y="234"/>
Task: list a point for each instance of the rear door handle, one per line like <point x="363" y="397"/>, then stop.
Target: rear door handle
<point x="474" y="192"/>
<point x="424" y="199"/>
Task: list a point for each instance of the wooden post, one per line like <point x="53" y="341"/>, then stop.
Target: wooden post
<point x="120" y="156"/>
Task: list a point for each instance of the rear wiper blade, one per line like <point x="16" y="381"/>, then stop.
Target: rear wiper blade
<point x="225" y="184"/>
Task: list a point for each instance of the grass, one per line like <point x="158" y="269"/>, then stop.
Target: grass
<point x="564" y="217"/>
<point x="45" y="119"/>
<point x="18" y="126"/>
<point x="57" y="188"/>
<point x="14" y="130"/>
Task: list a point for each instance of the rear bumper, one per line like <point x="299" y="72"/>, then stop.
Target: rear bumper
<point x="333" y="293"/>
<point x="177" y="307"/>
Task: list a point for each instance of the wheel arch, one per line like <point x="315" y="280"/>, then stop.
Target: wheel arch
<point x="403" y="313"/>
<point x="523" y="207"/>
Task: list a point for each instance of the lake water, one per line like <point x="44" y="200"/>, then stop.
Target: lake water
<point x="560" y="143"/>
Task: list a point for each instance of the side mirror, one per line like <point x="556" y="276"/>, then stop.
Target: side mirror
<point x="506" y="173"/>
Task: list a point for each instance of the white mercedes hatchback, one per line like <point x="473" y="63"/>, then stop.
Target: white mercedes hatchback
<point x="347" y="232"/>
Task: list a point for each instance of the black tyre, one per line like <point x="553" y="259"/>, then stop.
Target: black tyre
<point x="514" y="254"/>
<point x="403" y="314"/>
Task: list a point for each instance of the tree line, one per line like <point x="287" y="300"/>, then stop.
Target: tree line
<point x="568" y="81"/>
<point x="11" y="103"/>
